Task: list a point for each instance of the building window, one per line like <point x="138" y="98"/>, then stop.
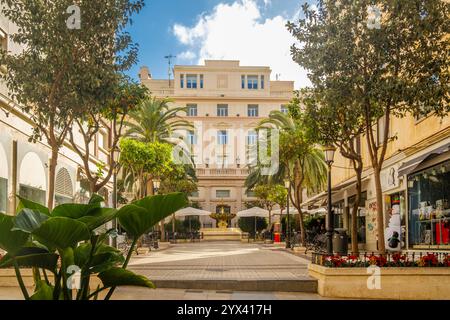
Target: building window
<point x="252" y="82"/>
<point x="191" y="110"/>
<point x="243" y="82"/>
<point x="252" y="110"/>
<point x="201" y="81"/>
<point x="357" y="144"/>
<point x="191" y="81"/>
<point x="3" y="195"/>
<point x="284" y="109"/>
<point x="381" y="124"/>
<point x="222" y="160"/>
<point x="33" y="194"/>
<point x="223" y="193"/>
<point x="338" y="218"/>
<point x="222" y="110"/>
<point x="182" y="81"/>
<point x="194" y="194"/>
<point x="252" y="138"/>
<point x="262" y="82"/>
<point x="63" y="187"/>
<point x="250" y="194"/>
<point x="429" y="207"/>
<point x="191" y="137"/>
<point x="222" y="137"/>
<point x="360" y="216"/>
<point x="103" y="140"/>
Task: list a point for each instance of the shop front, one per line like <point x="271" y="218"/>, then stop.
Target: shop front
<point x="428" y="204"/>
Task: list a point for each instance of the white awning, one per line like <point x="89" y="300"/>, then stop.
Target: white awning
<point x="253" y="212"/>
<point x="318" y="211"/>
<point x="292" y="210"/>
<point x="191" y="212"/>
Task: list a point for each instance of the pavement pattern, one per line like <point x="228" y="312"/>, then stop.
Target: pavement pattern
<point x="211" y="261"/>
<point x="221" y="261"/>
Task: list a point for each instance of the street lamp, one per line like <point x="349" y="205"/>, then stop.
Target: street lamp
<point x="287" y="184"/>
<point x="329" y="159"/>
<point x="156" y="185"/>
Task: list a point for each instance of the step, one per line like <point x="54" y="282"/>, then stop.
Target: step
<point x="306" y="285"/>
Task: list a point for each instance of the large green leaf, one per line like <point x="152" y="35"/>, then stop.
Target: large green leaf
<point x="29" y="257"/>
<point x="11" y="241"/>
<point x="29" y="220"/>
<point x="139" y="216"/>
<point x="61" y="232"/>
<point x="96" y="198"/>
<point x="25" y="203"/>
<point x="104" y="257"/>
<point x="43" y="291"/>
<point x="122" y="277"/>
<point x="74" y="210"/>
<point x="98" y="217"/>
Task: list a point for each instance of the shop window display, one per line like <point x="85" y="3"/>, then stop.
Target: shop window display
<point x="395" y="232"/>
<point x="429" y="209"/>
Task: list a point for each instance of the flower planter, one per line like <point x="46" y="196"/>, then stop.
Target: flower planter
<point x="8" y="279"/>
<point x="411" y="283"/>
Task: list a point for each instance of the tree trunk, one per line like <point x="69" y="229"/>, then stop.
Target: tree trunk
<point x="354" y="234"/>
<point x="380" y="218"/>
<point x="51" y="177"/>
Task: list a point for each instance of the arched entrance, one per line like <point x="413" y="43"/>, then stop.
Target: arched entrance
<point x="32" y="178"/>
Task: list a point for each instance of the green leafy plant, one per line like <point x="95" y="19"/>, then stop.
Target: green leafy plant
<point x="247" y="224"/>
<point x="65" y="247"/>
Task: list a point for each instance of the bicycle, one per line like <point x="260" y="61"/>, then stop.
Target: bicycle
<point x="315" y="242"/>
<point x="125" y="246"/>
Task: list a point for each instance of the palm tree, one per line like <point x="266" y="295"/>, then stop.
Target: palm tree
<point x="155" y="121"/>
<point x="301" y="161"/>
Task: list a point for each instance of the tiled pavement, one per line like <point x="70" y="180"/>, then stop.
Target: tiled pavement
<point x="221" y="261"/>
<point x="213" y="262"/>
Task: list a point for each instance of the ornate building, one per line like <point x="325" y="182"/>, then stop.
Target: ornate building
<point x="225" y="101"/>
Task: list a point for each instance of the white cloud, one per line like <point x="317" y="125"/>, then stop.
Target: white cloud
<point x="187" y="55"/>
<point x="238" y="32"/>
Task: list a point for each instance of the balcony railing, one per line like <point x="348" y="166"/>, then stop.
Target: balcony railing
<point x="215" y="172"/>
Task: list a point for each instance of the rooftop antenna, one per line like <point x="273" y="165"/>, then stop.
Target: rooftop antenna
<point x="169" y="61"/>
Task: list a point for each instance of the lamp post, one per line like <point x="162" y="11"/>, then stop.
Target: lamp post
<point x="156" y="185"/>
<point x="287" y="184"/>
<point x="115" y="164"/>
<point x="329" y="159"/>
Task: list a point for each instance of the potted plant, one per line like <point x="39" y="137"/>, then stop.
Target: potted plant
<point x="66" y="247"/>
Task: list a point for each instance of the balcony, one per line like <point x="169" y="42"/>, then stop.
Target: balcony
<point x="225" y="172"/>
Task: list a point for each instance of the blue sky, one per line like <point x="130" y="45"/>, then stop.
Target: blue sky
<point x="248" y="30"/>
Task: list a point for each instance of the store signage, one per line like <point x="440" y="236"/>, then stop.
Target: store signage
<point x="389" y="178"/>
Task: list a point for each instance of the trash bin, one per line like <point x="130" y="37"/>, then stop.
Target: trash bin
<point x="277" y="237"/>
<point x="340" y="242"/>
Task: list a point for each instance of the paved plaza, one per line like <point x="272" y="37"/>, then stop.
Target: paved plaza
<point x="226" y="266"/>
<point x="217" y="271"/>
<point x="221" y="260"/>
